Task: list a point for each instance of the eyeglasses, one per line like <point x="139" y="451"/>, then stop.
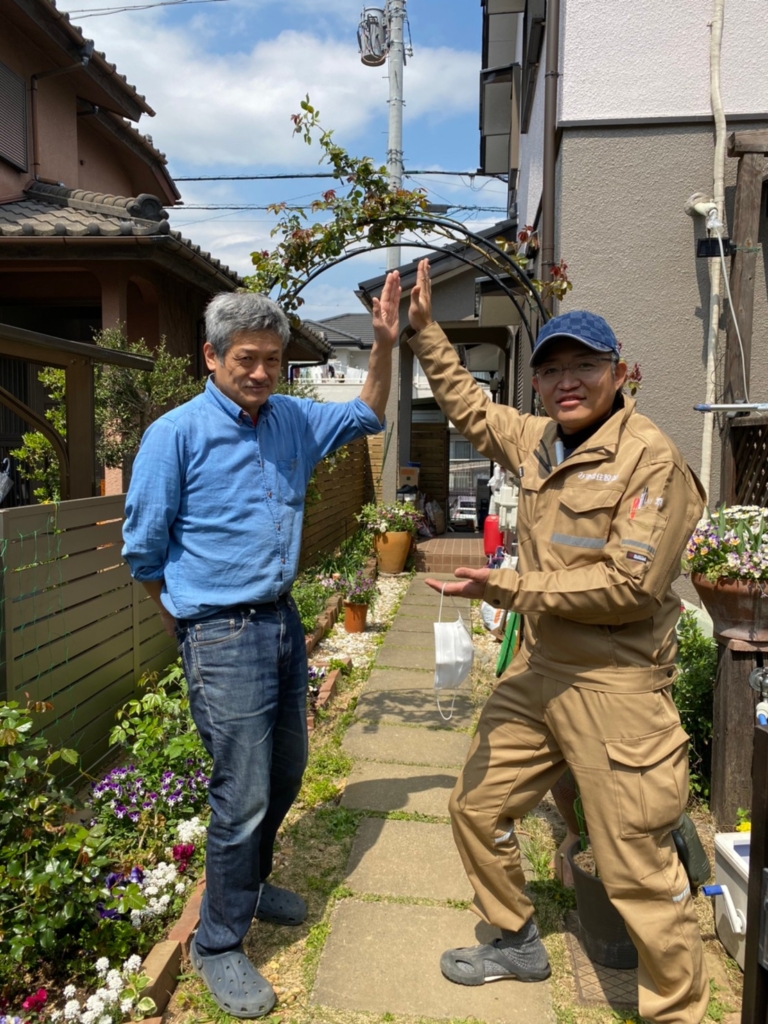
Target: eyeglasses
<point x="584" y="370"/>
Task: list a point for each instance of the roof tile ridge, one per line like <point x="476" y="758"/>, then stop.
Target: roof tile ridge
<point x="144" y="207"/>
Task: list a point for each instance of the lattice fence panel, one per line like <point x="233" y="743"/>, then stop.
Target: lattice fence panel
<point x="749" y="441"/>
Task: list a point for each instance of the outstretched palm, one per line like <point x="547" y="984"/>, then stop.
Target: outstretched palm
<point x="386" y="311"/>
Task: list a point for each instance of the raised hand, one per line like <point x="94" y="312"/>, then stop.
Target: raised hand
<point x="386" y="311"/>
<point x="420" y="310"/>
<point x="473" y="586"/>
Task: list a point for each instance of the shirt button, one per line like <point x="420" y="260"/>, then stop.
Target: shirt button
<point x="269" y="494"/>
<point x="282" y="560"/>
<point x="497" y="602"/>
<point x="278" y="527"/>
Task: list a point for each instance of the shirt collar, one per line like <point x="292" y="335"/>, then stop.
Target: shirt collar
<point x="231" y="408"/>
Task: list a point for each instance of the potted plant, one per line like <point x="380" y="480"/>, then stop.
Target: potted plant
<point x="727" y="557"/>
<point x="359" y="593"/>
<point x="393" y="527"/>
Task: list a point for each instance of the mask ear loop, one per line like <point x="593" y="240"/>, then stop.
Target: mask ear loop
<point x="449" y="716"/>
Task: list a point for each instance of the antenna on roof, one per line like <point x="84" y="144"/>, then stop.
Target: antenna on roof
<point x="380" y="38"/>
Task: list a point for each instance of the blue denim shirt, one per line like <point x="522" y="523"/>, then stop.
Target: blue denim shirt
<point x="216" y="504"/>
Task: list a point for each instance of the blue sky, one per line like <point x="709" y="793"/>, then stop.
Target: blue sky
<point x="224" y="78"/>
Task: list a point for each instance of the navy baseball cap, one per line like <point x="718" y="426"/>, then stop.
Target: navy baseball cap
<point x="577" y="324"/>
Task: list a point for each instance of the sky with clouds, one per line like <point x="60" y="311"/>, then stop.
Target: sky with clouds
<point x="225" y="76"/>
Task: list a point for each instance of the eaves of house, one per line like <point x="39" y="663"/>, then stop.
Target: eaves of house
<point x="99" y="81"/>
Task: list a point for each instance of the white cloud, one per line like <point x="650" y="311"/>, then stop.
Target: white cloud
<point x="232" y="108"/>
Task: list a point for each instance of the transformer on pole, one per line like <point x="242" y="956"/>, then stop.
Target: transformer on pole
<point x="380" y="38"/>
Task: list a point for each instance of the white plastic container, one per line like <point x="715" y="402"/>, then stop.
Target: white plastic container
<point x="732" y="870"/>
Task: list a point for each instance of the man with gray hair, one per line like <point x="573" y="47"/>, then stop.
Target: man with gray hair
<point x="213" y="532"/>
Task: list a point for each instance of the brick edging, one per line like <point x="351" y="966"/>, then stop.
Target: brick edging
<point x="325" y="622"/>
<point x="162" y="965"/>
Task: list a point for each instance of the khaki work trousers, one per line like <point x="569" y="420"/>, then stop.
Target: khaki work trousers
<point x="628" y="753"/>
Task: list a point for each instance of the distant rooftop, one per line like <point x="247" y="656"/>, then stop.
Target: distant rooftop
<point x="345" y="330"/>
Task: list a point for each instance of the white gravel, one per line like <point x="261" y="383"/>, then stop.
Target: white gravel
<point x="362" y="647"/>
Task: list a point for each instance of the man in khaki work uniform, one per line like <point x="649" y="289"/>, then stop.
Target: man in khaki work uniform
<point x="607" y="505"/>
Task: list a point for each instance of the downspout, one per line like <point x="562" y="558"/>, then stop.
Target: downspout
<point x="551" y="75"/>
<point x="718" y="190"/>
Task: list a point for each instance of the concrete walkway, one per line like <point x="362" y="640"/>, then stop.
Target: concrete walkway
<point x="382" y="955"/>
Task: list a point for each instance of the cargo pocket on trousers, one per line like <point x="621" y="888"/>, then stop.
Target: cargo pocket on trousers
<point x="650" y="778"/>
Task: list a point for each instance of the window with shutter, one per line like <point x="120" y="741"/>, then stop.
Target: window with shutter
<point x="13" y="118"/>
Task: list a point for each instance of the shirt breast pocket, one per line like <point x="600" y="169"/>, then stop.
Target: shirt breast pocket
<point x="583" y="524"/>
<point x="290" y="483"/>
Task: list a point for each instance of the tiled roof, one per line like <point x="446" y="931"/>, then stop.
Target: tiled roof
<point x="346" y="329"/>
<point x="52" y="210"/>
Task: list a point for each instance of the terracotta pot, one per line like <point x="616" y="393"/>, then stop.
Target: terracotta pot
<point x="392" y="550"/>
<point x="354" y="617"/>
<point x="739" y="608"/>
<point x="603" y="933"/>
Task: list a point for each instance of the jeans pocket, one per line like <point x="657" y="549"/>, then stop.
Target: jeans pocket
<point x="217" y="631"/>
<point x="650" y="779"/>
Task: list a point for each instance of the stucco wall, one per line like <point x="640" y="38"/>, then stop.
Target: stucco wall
<point x="651" y="59"/>
<point x="630" y="251"/>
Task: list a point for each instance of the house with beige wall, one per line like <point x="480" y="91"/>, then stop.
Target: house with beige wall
<point x="632" y="135"/>
<point x="85" y="238"/>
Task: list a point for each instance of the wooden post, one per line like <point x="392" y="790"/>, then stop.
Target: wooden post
<point x="81" y="430"/>
<point x="733" y="721"/>
<point x="734" y="705"/>
<point x="754" y="1006"/>
<point x="746" y="228"/>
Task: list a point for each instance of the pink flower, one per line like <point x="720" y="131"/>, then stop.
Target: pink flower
<point x="34" y="1002"/>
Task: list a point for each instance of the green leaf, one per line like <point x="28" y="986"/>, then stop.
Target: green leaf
<point x="70" y="756"/>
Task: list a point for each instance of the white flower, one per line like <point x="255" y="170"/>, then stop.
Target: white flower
<point x="126" y="1005"/>
<point x="72" y="1007"/>
<point x="136" y="918"/>
<point x="132" y="965"/>
<point x="102" y="966"/>
<point x="95" y="1004"/>
<point x="150" y="890"/>
<point x="105" y="1020"/>
<point x="114" y="980"/>
<point x="179" y="888"/>
<point x="69" y="991"/>
<point x="108" y="996"/>
<point x="89" y="1016"/>
<point x="55" y="1015"/>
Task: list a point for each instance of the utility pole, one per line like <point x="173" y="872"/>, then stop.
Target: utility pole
<point x="396" y="12"/>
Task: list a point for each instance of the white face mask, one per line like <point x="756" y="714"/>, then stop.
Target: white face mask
<point x="454" y="655"/>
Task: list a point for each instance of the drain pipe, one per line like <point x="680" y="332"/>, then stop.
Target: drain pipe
<point x="715" y="275"/>
<point x="551" y="75"/>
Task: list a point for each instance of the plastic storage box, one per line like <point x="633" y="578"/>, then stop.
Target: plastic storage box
<point x="732" y="870"/>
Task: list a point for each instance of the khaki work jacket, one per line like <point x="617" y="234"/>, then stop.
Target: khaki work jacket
<point x="600" y="537"/>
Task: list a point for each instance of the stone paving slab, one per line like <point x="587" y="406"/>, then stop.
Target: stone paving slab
<point x="403" y="745"/>
<point x="424" y="596"/>
<point x="406" y="657"/>
<point x="407" y="858"/>
<point x="385" y="958"/>
<point x="416" y="624"/>
<point x="412" y="707"/>
<point x="399" y="679"/>
<point x="397" y="638"/>
<point x="417" y="789"/>
<point x="418" y="611"/>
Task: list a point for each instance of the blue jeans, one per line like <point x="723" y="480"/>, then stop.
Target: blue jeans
<point x="247" y="676"/>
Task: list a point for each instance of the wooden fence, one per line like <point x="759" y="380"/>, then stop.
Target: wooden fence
<point x="343" y="490"/>
<point x="746" y="477"/>
<point x="75" y="630"/>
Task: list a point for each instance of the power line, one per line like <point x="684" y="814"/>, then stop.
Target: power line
<point x="283" y="177"/>
<point x="101" y="12"/>
<point x="216" y="206"/>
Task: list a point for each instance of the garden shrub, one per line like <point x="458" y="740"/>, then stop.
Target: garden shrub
<point x="693" y="693"/>
<point x="71" y="894"/>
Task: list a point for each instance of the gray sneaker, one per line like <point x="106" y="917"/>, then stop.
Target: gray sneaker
<point x="520" y="956"/>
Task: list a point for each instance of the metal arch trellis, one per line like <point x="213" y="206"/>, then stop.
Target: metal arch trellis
<point x="484" y="245"/>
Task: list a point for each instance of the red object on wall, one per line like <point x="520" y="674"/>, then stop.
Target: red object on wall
<point x="492" y="535"/>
